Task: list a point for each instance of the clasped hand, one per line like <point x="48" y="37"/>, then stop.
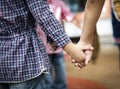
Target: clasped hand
<point x="81" y="54"/>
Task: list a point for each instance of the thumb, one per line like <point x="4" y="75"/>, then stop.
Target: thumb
<point x="88" y="47"/>
<point x="88" y="57"/>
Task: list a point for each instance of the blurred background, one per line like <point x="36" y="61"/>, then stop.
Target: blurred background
<point x="104" y="70"/>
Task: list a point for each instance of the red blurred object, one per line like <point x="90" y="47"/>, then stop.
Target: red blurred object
<point x="79" y="83"/>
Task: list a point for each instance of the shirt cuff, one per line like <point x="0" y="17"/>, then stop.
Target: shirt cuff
<point x="62" y="40"/>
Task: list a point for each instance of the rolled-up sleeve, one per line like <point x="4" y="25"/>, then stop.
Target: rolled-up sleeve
<point x="47" y="21"/>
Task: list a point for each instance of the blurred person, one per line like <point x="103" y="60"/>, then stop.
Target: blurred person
<point x="116" y="9"/>
<point x="58" y="79"/>
<point x="23" y="58"/>
<point x="116" y="23"/>
<point x="116" y="33"/>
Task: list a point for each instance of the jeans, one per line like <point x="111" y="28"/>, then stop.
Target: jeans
<point x="36" y="83"/>
<point x="58" y="71"/>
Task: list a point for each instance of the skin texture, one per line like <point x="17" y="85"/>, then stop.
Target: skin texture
<point x="92" y="13"/>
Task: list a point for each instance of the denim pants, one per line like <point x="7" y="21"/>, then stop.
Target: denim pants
<point x="58" y="69"/>
<point x="36" y="83"/>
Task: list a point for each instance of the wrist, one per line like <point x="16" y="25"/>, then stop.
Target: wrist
<point x="87" y="38"/>
<point x="69" y="48"/>
<point x="87" y="41"/>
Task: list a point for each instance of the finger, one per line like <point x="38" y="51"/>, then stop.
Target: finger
<point x="81" y="65"/>
<point x="88" y="57"/>
<point x="72" y="61"/>
<point x="76" y="64"/>
<point x="82" y="59"/>
<point x="87" y="47"/>
<point x="82" y="62"/>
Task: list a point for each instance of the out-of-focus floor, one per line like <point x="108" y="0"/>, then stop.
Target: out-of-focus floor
<point x="106" y="69"/>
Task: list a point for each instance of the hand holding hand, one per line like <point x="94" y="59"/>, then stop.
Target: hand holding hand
<point x="82" y="64"/>
<point x="88" y="55"/>
<point x="79" y="52"/>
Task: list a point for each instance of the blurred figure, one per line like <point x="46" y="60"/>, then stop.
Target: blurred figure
<point x="116" y="9"/>
<point x="61" y="12"/>
<point x="116" y="23"/>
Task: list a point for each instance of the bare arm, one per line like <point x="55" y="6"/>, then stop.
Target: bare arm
<point x="92" y="13"/>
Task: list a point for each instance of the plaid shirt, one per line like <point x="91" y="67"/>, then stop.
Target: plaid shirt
<point x="22" y="53"/>
<point x="62" y="12"/>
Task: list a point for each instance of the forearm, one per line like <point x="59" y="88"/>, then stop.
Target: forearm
<point x="92" y="12"/>
<point x="68" y="47"/>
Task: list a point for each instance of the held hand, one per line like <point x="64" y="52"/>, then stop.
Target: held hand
<point x="80" y="52"/>
<point x="77" y="52"/>
<point x="79" y="65"/>
<point x="88" y="52"/>
<point x="88" y="55"/>
<point x="82" y="64"/>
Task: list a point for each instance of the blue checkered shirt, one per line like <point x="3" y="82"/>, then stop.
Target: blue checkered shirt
<point x="22" y="53"/>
